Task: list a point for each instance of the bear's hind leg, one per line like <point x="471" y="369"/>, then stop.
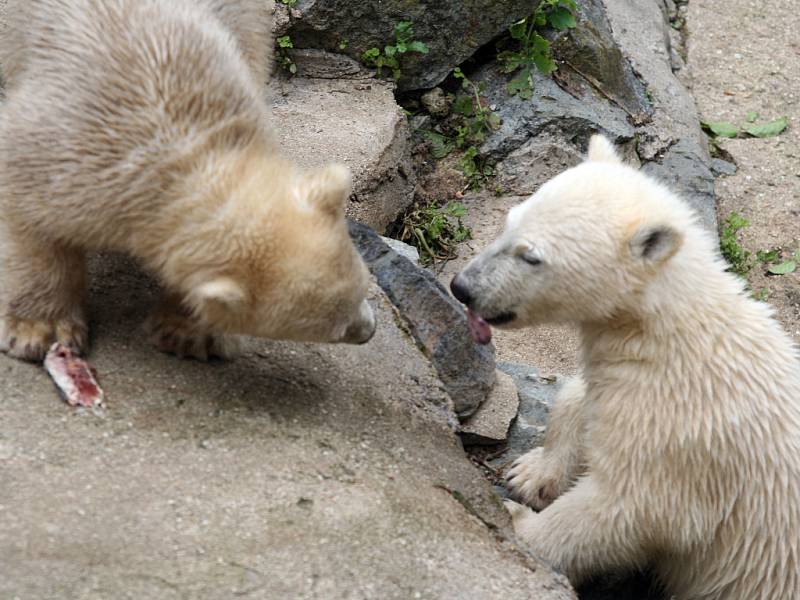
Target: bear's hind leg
<point x="173" y="329"/>
<point x="543" y="474"/>
<point x="44" y="285"/>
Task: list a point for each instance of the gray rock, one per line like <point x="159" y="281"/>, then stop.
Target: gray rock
<point x="722" y="168"/>
<point x="532" y="164"/>
<point x="690" y="175"/>
<point x="452" y="29"/>
<point x="589" y="51"/>
<point x="672" y="137"/>
<point x="536" y="395"/>
<point x="551" y="110"/>
<point x="489" y="425"/>
<point x="405" y="250"/>
<point x="296" y="471"/>
<point x="435" y="319"/>
<point x="359" y="124"/>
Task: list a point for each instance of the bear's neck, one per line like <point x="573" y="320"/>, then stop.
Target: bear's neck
<point x="689" y="313"/>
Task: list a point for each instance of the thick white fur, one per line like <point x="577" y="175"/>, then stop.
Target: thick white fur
<point x="140" y="126"/>
<point x="679" y="445"/>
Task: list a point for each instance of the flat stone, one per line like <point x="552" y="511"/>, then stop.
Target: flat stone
<point x="536" y="395"/>
<point x="489" y="424"/>
<point x="358" y="124"/>
<point x="435" y="320"/>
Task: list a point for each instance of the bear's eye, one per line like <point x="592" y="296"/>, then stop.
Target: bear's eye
<point x="531" y="257"/>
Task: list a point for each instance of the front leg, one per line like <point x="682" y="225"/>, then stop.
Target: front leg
<point x="173" y="329"/>
<point x="543" y="474"/>
<point x="586" y="531"/>
<point x="44" y="286"/>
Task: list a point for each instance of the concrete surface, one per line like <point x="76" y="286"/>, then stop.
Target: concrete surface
<point x="745" y="56"/>
<point x="297" y="471"/>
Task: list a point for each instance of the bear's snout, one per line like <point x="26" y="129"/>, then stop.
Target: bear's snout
<point x="461" y="290"/>
<point x="361" y="330"/>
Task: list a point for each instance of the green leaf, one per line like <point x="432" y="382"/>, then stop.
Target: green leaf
<point x="402" y="27"/>
<point x="521" y="85"/>
<point x="518" y="29"/>
<point x="418" y="47"/>
<point x="782" y="269"/>
<point x="751" y="116"/>
<point x="456" y="209"/>
<point x="463" y="106"/>
<point x="440" y="145"/>
<point x="370" y="55"/>
<point x="720" y="128"/>
<point x="765" y="257"/>
<point x="561" y="19"/>
<point x="541" y="55"/>
<point x="285" y="42"/>
<point x="770" y="129"/>
<point x="390" y="50"/>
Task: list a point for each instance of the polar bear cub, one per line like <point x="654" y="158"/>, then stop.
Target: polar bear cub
<point x="679" y="445"/>
<point x="140" y="126"/>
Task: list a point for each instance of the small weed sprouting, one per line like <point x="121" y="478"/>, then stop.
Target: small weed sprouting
<point x="478" y="121"/>
<point x="533" y="49"/>
<point x="475" y="121"/>
<point x="289" y="3"/>
<point x="739" y="259"/>
<point x="391" y="56"/>
<point x="435" y="231"/>
<point x="281" y="57"/>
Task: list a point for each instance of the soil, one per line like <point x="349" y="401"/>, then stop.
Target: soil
<point x="754" y="69"/>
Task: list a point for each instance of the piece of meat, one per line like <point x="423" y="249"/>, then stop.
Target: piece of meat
<point x="74" y="378"/>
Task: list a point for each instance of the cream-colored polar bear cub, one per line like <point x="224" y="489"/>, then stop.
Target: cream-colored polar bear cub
<point x="680" y="444"/>
<point x="140" y="126"/>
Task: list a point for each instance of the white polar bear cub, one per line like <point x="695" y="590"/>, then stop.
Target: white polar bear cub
<point x="679" y="446"/>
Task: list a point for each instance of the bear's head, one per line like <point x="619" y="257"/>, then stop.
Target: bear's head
<point x="275" y="260"/>
<point x="582" y="249"/>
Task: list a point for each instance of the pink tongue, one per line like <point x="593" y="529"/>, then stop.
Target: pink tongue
<point x="480" y="330"/>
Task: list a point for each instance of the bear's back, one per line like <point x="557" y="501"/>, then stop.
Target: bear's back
<point x="105" y="94"/>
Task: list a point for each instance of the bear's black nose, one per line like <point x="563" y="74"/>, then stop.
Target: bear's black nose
<point x="460" y="290"/>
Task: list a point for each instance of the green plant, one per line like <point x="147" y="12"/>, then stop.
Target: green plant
<point x="282" y="57"/>
<point x="392" y="55"/>
<point x="435" y="230"/>
<point x="749" y="128"/>
<point x="774" y="267"/>
<point x="343" y="44"/>
<point x="289" y="3"/>
<point x="473" y="120"/>
<point x="477" y="121"/>
<point x="532" y="48"/>
<point x="739" y="259"/>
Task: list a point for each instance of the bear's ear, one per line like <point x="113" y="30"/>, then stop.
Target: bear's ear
<point x="329" y="188"/>
<point x="222" y="291"/>
<point x="601" y="150"/>
<point x="655" y="243"/>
